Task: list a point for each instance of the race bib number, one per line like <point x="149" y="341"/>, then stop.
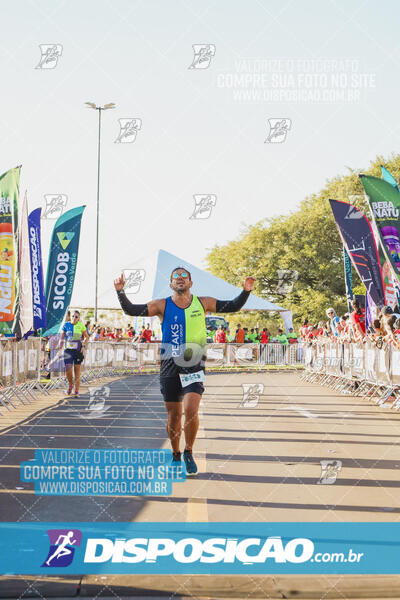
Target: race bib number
<point x="71" y="345"/>
<point x="188" y="378"/>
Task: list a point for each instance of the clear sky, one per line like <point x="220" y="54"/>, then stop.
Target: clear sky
<point x="203" y="131"/>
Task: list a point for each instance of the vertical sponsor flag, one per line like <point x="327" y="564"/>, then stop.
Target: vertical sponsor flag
<point x="358" y="238"/>
<point x="38" y="295"/>
<point x="389" y="278"/>
<point x="390" y="282"/>
<point x="387" y="176"/>
<point x="61" y="267"/>
<point x="384" y="201"/>
<point x="9" y="194"/>
<point x="389" y="286"/>
<point x="24" y="320"/>
<point x="348" y="278"/>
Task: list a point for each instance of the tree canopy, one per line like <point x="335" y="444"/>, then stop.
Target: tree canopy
<point x="306" y="241"/>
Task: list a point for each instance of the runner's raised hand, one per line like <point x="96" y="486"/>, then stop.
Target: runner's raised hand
<point x="119" y="283"/>
<point x="248" y="284"/>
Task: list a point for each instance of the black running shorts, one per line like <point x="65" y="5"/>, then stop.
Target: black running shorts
<point x="72" y="357"/>
<point x="172" y="390"/>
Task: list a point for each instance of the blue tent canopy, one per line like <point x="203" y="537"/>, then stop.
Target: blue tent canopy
<point x="204" y="284"/>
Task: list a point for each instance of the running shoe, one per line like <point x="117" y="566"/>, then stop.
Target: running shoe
<point x="76" y="394"/>
<point x="175" y="462"/>
<point x="191" y="467"/>
<point x="69" y="391"/>
<point x="176" y="459"/>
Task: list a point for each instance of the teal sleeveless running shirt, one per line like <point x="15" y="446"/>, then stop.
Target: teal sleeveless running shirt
<point x="184" y="338"/>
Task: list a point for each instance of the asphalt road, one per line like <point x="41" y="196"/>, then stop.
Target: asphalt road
<point x="260" y="462"/>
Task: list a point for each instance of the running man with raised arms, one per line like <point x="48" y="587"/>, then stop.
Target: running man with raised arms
<point x="183" y="351"/>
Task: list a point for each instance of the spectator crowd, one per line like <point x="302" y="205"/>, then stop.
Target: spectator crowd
<point x="351" y="327"/>
<point x="242" y="335"/>
<point x="221" y="335"/>
<point x="98" y="333"/>
<point x="101" y="333"/>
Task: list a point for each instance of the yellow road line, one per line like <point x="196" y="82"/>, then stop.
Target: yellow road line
<point x="196" y="510"/>
<point x="25" y="448"/>
<point x="14" y="491"/>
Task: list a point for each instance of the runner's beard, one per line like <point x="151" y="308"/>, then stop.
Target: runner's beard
<point x="179" y="290"/>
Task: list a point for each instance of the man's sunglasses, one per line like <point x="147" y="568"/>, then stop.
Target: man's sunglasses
<point x="177" y="275"/>
<point x="75" y="317"/>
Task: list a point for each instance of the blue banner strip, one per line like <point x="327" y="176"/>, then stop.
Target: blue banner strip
<point x="61" y="267"/>
<point x="199" y="548"/>
<point x="38" y="295"/>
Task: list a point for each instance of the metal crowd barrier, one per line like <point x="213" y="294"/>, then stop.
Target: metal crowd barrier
<point x="104" y="359"/>
<point x="360" y="369"/>
<point x="19" y="371"/>
<point x="109" y="358"/>
<point x="33" y="365"/>
<point x="255" y="354"/>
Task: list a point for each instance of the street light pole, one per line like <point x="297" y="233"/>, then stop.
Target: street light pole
<point x="99" y="108"/>
<point x="97" y="220"/>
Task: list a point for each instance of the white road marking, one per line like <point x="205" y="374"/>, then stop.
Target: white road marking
<point x="301" y="411"/>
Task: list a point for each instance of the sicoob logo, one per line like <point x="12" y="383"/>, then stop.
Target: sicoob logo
<point x="62" y="547"/>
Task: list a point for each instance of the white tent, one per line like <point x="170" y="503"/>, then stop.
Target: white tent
<point x="205" y="284"/>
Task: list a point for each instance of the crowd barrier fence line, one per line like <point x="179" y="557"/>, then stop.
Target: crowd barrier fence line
<point x="361" y="369"/>
<point x="109" y="358"/>
<point x="34" y="364"/>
